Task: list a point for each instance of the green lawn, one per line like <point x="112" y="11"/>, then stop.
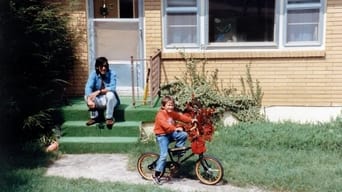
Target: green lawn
<point x="283" y="156"/>
<point x="276" y="157"/>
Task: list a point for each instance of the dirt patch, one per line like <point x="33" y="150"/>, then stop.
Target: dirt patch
<point x="113" y="167"/>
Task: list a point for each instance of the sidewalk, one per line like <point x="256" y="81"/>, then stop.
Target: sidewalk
<point x="113" y="167"/>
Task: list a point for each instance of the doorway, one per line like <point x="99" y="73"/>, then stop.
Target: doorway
<point x="115" y="32"/>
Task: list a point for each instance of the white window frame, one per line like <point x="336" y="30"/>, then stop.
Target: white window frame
<point x="167" y="10"/>
<point x="281" y="8"/>
<point x="305" y="6"/>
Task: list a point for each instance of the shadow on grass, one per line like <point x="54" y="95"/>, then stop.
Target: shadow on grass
<point x="21" y="164"/>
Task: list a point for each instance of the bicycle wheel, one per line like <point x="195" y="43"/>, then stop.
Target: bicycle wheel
<point x="146" y="164"/>
<point x="209" y="170"/>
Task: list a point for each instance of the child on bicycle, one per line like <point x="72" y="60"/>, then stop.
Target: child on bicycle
<point x="166" y="131"/>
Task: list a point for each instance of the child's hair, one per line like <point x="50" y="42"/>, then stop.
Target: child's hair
<point x="166" y="99"/>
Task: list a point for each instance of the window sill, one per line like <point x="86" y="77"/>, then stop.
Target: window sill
<point x="246" y="54"/>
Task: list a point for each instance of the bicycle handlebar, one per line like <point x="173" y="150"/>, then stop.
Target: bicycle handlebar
<point x="194" y="127"/>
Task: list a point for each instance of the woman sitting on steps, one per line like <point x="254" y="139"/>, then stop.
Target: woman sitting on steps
<point x="100" y="93"/>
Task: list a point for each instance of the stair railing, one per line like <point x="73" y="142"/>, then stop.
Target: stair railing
<point x="152" y="84"/>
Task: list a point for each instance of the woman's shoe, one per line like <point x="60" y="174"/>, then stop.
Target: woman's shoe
<point x="110" y="123"/>
<point x="92" y="122"/>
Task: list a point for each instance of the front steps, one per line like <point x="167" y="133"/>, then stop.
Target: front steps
<point x="76" y="137"/>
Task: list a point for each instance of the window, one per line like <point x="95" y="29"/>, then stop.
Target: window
<point x="181" y="22"/>
<point x="303" y="22"/>
<point x="242" y="23"/>
<point x="115" y="8"/>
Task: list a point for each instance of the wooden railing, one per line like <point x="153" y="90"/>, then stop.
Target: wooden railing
<point x="152" y="84"/>
<point x="155" y="76"/>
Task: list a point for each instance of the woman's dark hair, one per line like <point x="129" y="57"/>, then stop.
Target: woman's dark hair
<point x="101" y="61"/>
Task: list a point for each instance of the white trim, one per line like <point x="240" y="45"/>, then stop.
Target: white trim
<point x="321" y="26"/>
<point x="124" y="20"/>
<point x="279" y="36"/>
<point x="123" y="90"/>
<point x="296" y="114"/>
<point x="114" y="62"/>
<point x="301" y="114"/>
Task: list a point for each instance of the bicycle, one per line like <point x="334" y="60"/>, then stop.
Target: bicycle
<point x="208" y="169"/>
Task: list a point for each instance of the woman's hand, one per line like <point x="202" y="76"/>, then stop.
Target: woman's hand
<point x="103" y="91"/>
<point x="93" y="95"/>
<point x="90" y="103"/>
<point x="91" y="99"/>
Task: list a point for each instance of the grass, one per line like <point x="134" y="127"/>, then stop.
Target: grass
<point x="277" y="156"/>
<point x="24" y="172"/>
<point x="283" y="156"/>
<point x="272" y="156"/>
<point x="31" y="180"/>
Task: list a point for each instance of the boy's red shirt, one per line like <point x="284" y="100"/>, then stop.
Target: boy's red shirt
<point x="165" y="121"/>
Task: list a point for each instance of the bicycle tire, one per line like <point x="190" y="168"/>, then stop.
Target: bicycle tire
<point x="146" y="164"/>
<point x="209" y="170"/>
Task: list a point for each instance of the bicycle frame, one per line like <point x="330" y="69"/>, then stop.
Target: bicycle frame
<point x="180" y="159"/>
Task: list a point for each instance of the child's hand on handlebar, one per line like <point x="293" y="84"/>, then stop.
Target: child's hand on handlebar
<point x="194" y="121"/>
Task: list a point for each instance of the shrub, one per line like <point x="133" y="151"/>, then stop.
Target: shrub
<point x="38" y="53"/>
<point x="204" y="86"/>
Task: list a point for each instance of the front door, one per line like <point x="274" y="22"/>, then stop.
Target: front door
<point x="115" y="28"/>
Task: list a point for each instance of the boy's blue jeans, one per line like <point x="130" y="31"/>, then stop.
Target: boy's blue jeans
<point x="164" y="140"/>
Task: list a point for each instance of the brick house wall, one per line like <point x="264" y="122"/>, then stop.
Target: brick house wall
<point x="296" y="78"/>
<point x="153" y="29"/>
<point x="77" y="15"/>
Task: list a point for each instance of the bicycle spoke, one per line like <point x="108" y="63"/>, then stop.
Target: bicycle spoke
<point x="209" y="170"/>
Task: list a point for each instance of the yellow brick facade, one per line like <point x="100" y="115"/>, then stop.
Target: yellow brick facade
<point x="77" y="14"/>
<point x="153" y="28"/>
<point x="296" y="78"/>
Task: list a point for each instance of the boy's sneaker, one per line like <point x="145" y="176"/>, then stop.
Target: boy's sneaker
<point x="156" y="180"/>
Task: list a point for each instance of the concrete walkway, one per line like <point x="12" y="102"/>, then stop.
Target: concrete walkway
<point x="113" y="167"/>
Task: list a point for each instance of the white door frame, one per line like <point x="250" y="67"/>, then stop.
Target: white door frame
<point x="125" y="89"/>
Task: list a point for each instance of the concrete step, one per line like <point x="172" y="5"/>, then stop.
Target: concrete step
<point x="76" y="137"/>
<point x="124" y="112"/>
<point x="78" y="128"/>
<point x="78" y="145"/>
<point x="98" y="140"/>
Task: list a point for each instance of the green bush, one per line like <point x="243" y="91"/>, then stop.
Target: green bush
<point x="38" y="55"/>
<point x="204" y="87"/>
